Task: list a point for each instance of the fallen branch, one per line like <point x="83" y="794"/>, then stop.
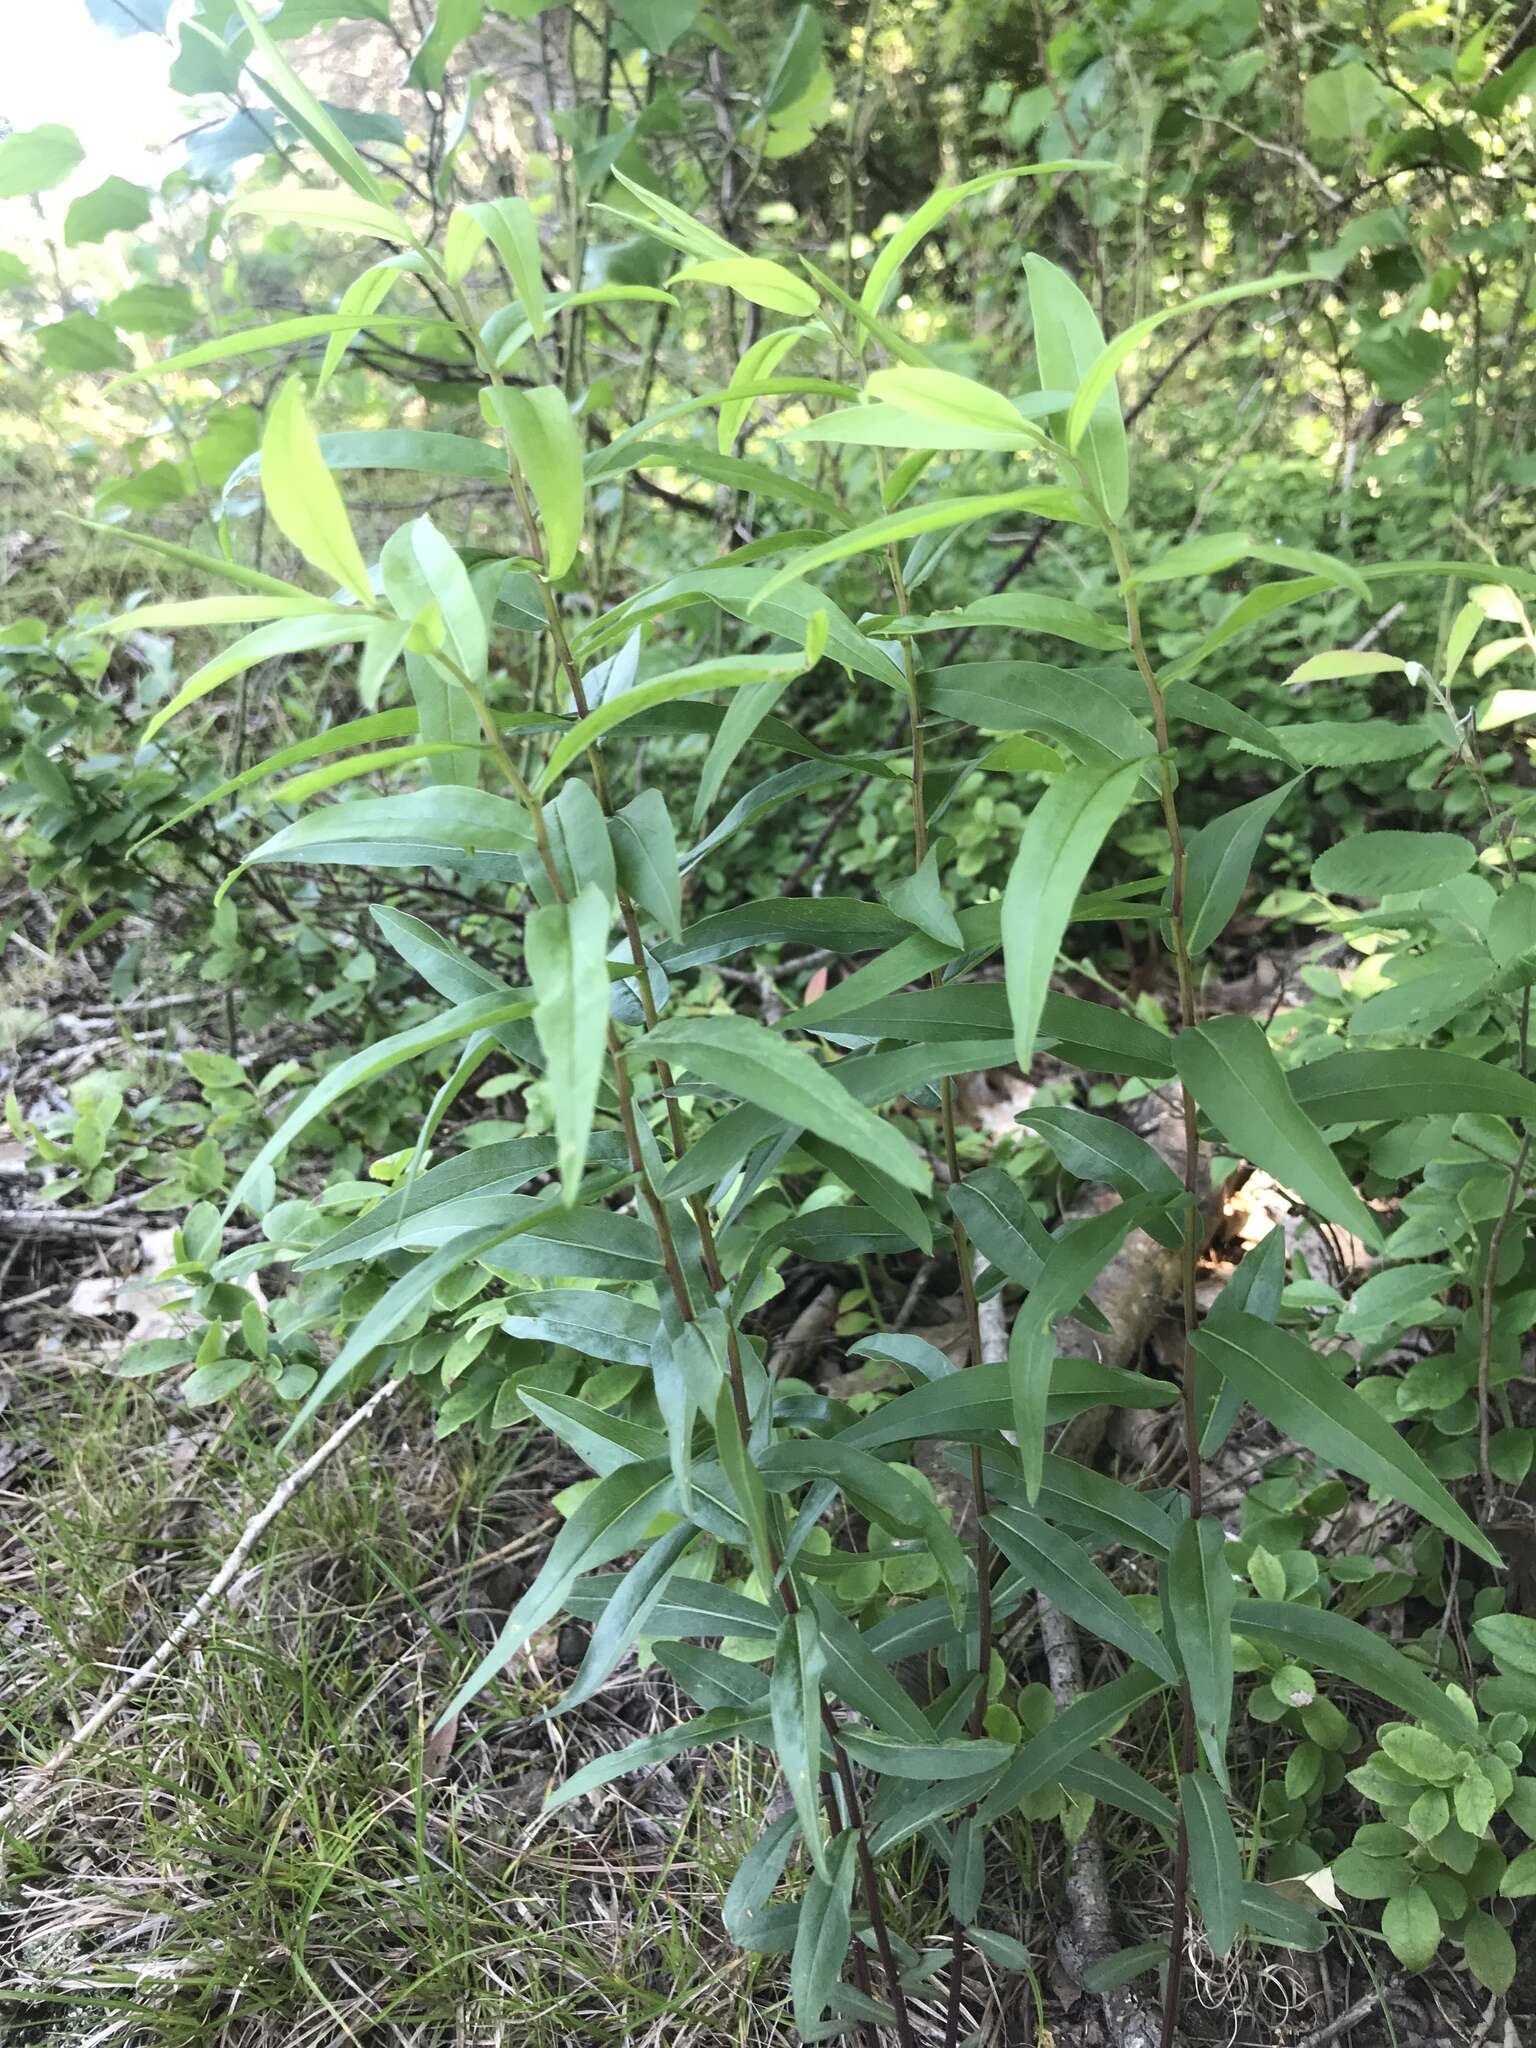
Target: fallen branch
<point x="220" y="1583"/>
<point x="1352" y="2015"/>
<point x="64" y="1223"/>
<point x="1089" y="1936"/>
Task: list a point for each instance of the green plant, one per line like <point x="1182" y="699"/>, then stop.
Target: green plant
<point x="606" y="1269"/>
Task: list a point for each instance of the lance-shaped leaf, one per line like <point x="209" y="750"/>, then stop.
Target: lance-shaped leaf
<point x="724" y="1724"/>
<point x="898" y="1756"/>
<point x="1068" y="341"/>
<point x="567" y="950"/>
<point x="547" y="449"/>
<point x="1082" y="1726"/>
<point x="611" y="1519"/>
<point x="690" y="1607"/>
<point x="515" y="237"/>
<point x="302" y="497"/>
<point x="979" y="1402"/>
<point x="758" y="1066"/>
<point x="853" y="1674"/>
<point x="794" y="1703"/>
<point x="750" y="1919"/>
<point x="894" y="1203"/>
<point x="1217" y="862"/>
<point x="1370" y="1087"/>
<point x="881" y="1492"/>
<point x="894" y="251"/>
<point x="1215" y="1868"/>
<point x="322" y="627"/>
<point x="1079" y="1253"/>
<point x="822" y="1936"/>
<point x="728" y="674"/>
<point x="1201" y="1596"/>
<point x="951" y="400"/>
<point x="481" y="836"/>
<point x="1296" y="1390"/>
<point x="602" y="1440"/>
<point x="1044" y="501"/>
<point x="645" y="858"/>
<point x="462" y="1021"/>
<point x="755" y="279"/>
<point x="1099" y="374"/>
<point x="1064" y="833"/>
<point x="748" y="1494"/>
<point x="1060" y="1569"/>
<point x="466" y="1193"/>
<point x="1228" y="1067"/>
<point x="1102" y="1776"/>
<point x="294" y="100"/>
<point x="419" y="568"/>
<point x="583" y="1319"/>
<point x="626" y="1614"/>
<point x="1075" y="1497"/>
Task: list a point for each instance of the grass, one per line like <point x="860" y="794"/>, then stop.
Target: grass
<point x="264" y="1847"/>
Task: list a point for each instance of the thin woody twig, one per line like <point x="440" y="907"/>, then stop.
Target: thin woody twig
<point x="201" y="1607"/>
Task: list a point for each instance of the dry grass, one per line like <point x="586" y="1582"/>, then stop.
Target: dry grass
<point x="264" y="1848"/>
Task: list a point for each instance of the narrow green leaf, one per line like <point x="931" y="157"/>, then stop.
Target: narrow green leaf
<point x="758" y="1066"/>
<point x="1294" y="1389"/>
<point x="567" y="947"/>
<point x="330" y="627"/>
<point x="1370" y="1087"/>
<point x="1228" y="1067"/>
<point x="626" y="1615"/>
<point x="1217" y="863"/>
<point x="381" y="1057"/>
<point x="1064" y="833"/>
<point x="898" y="1756"/>
<point x="1215" y="1868"/>
<point x="1068" y="341"/>
<point x="1044" y="501"/>
<point x="302" y="497"/>
<point x="724" y="1724"/>
<point x="1097" y="377"/>
<point x="794" y="1703"/>
<point x="1059" y="1568"/>
<point x="1082" y="1726"/>
<point x="515" y="236"/>
<point x="822" y="1936"/>
<point x="544" y="442"/>
<point x="731" y="673"/>
<point x="894" y="252"/>
<point x="1201" y="1595"/>
<point x="755" y="279"/>
<point x="610" y="1520"/>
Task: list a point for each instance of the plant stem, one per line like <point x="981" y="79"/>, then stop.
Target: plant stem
<point x="967" y="1281"/>
<point x="1189" y="1017"/>
<point x="741" y="1407"/>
